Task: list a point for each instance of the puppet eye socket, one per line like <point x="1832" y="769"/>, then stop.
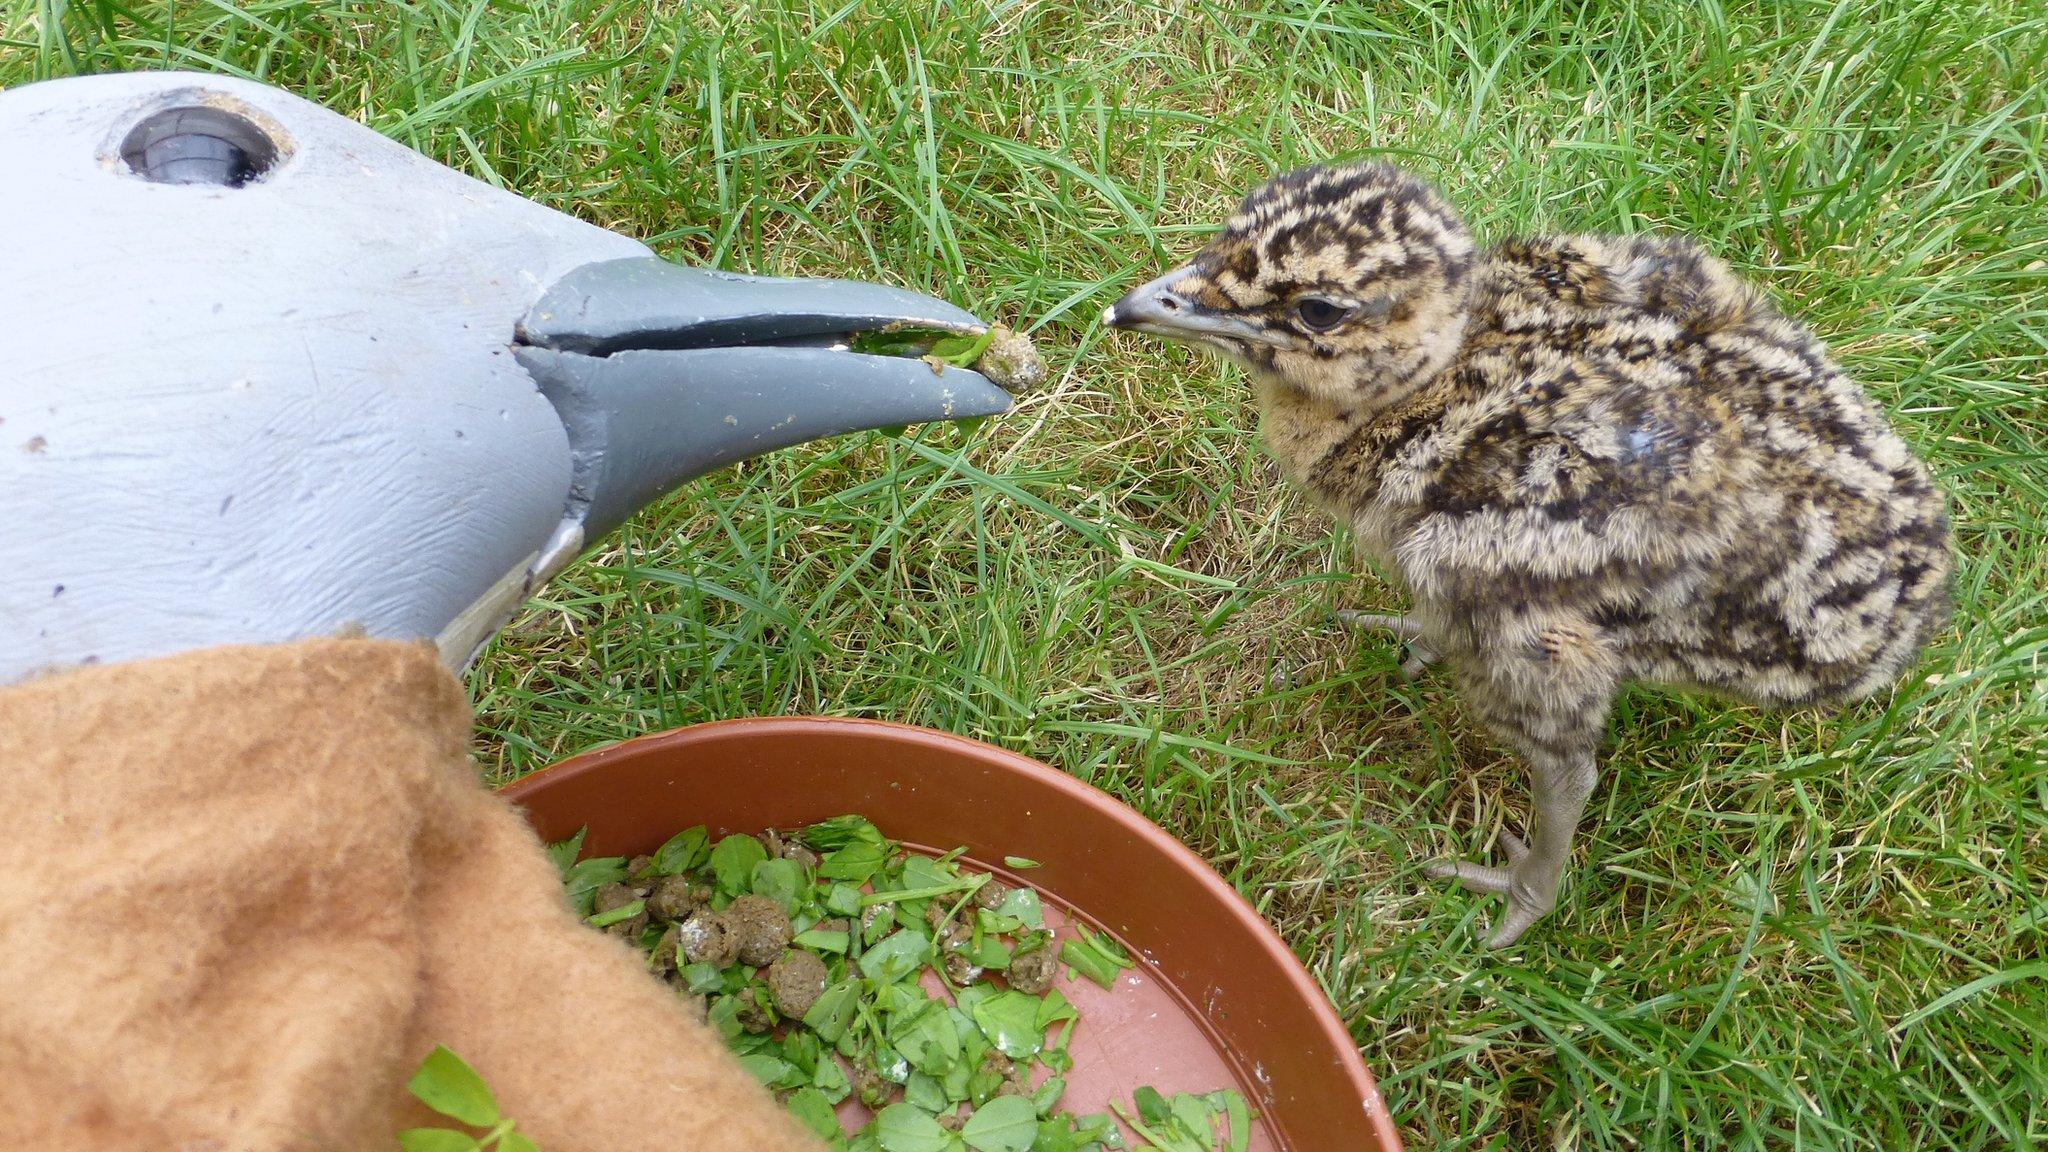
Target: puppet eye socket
<point x="1320" y="315"/>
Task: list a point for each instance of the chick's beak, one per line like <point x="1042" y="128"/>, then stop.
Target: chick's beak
<point x="1167" y="307"/>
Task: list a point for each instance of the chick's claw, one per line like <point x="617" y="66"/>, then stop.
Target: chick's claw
<point x="1419" y="654"/>
<point x="1519" y="919"/>
<point x="1482" y="877"/>
<point x="1529" y="895"/>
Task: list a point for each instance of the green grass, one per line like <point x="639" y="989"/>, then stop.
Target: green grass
<point x="1785" y="930"/>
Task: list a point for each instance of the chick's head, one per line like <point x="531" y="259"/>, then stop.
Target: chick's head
<point x="1347" y="283"/>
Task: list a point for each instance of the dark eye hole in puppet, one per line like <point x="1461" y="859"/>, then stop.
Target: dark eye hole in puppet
<point x="1319" y="315"/>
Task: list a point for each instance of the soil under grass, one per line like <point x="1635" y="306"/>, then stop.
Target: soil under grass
<point x="1807" y="930"/>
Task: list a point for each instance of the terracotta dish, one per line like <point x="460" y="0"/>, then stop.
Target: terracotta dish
<point x="1216" y="999"/>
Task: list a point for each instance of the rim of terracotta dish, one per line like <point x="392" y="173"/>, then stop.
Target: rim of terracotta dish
<point x="1302" y="984"/>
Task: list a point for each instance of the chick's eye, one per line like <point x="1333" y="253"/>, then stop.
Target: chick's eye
<point x="1320" y="315"/>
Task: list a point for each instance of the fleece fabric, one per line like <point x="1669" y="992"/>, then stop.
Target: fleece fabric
<point x="244" y="891"/>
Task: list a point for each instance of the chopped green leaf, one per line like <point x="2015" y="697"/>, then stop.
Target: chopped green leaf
<point x="1055" y="1007"/>
<point x="587" y="876"/>
<point x="1151" y="1105"/>
<point x="622" y="912"/>
<point x="1022" y="904"/>
<point x="773" y="1071"/>
<point x="925" y="1092"/>
<point x="802" y="1048"/>
<point x="1020" y="863"/>
<point x="780" y="881"/>
<point x="1095" y="956"/>
<point x="448" y="1085"/>
<point x="840" y="831"/>
<point x="958" y="1078"/>
<point x="855" y="863"/>
<point x="703" y="977"/>
<point x="960" y="351"/>
<point x="907" y="1128"/>
<point x="684" y="851"/>
<point x="732" y="862"/>
<point x="564" y="853"/>
<point x="814" y="1111"/>
<point x="819" y="940"/>
<point x="897" y="957"/>
<point x="1010" y="1021"/>
<point x="926" y="1038"/>
<point x="925" y="872"/>
<point x="1240" y="1120"/>
<point x="830" y="1079"/>
<point x="724" y="1017"/>
<point x="843" y="900"/>
<point x="833" y="1012"/>
<point x="1004" y="1124"/>
<point x="910" y="343"/>
<point x="990" y="953"/>
<point x="516" y="1142"/>
<point x="1048" y="1095"/>
<point x="1194" y="1116"/>
<point x="436" y="1140"/>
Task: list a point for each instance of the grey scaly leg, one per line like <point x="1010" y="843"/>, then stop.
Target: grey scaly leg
<point x="1549" y="701"/>
<point x="1536" y="869"/>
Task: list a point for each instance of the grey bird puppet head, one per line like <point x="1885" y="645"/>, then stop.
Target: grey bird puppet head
<point x="1345" y="283"/>
<point x="272" y="375"/>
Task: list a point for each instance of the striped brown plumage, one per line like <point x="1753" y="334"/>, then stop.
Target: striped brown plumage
<point x="1587" y="459"/>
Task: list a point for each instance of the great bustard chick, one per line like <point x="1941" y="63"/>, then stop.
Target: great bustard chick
<point x="1587" y="459"/>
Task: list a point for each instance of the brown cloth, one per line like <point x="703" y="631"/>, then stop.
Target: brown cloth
<point x="244" y="891"/>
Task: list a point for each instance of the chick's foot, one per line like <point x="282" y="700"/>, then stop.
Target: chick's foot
<point x="1529" y="885"/>
<point x="1419" y="654"/>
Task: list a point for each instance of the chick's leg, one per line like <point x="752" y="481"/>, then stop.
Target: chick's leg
<point x="1549" y="701"/>
<point x="1535" y="869"/>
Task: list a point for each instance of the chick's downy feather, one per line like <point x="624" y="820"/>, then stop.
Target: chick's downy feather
<point x="1589" y="459"/>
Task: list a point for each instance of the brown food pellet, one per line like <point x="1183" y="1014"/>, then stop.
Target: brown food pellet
<point x="705" y="939"/>
<point x="753" y="1015"/>
<point x="962" y="970"/>
<point x="1011" y="362"/>
<point x="874" y="1091"/>
<point x="760" y="929"/>
<point x="673" y="898"/>
<point x="796" y="980"/>
<point x="610" y="898"/>
<point x="991" y="896"/>
<point x="874" y="912"/>
<point x="663" y="959"/>
<point x="1016" y="1082"/>
<point x="1033" y="972"/>
<point x="791" y="849"/>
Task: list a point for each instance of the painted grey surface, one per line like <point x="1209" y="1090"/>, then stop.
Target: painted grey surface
<point x="618" y="304"/>
<point x="664" y="416"/>
<point x="296" y="406"/>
